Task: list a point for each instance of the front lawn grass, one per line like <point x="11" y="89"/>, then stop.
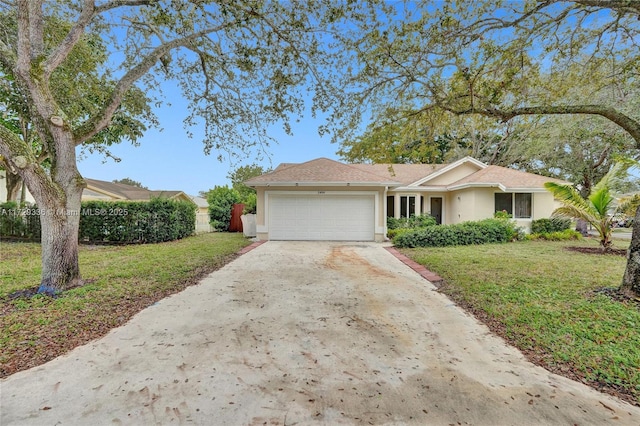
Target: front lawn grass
<point x="120" y="281"/>
<point x="541" y="298"/>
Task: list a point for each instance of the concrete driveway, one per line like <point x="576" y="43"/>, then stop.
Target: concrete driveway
<point x="303" y="333"/>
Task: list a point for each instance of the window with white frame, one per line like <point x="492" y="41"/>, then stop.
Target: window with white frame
<point x="517" y="204"/>
<point x="391" y="210"/>
<point x="407" y="206"/>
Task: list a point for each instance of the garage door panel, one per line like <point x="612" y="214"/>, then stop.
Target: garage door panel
<point x="321" y="217"/>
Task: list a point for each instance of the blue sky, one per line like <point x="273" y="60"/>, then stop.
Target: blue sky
<point x="169" y="160"/>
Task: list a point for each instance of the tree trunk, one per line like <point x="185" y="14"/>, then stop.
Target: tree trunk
<point x="631" y="280"/>
<point x="57" y="194"/>
<point x="60" y="222"/>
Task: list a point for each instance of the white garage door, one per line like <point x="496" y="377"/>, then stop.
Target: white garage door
<point x="321" y="217"/>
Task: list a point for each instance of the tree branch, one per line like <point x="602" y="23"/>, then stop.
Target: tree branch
<point x="23" y="60"/>
<point x="622" y="6"/>
<point x="102" y="119"/>
<point x="88" y="12"/>
<point x="36" y="29"/>
<point x="113" y="4"/>
<point x="627" y="123"/>
<point x="12" y="147"/>
<point x="62" y="51"/>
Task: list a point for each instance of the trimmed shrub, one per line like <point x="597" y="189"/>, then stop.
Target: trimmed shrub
<point x="126" y="222"/>
<point x="11" y="222"/>
<point x="157" y="220"/>
<point x="566" y="235"/>
<point x="221" y="200"/>
<point x="420" y="221"/>
<point x="466" y="233"/>
<point x="547" y="226"/>
<point x="392" y="233"/>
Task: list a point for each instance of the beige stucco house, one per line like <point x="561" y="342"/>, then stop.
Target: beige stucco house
<point x="111" y="191"/>
<point x="324" y="199"/>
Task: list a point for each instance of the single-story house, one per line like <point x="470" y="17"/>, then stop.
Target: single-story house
<point x="110" y="191"/>
<point x="324" y="199"/>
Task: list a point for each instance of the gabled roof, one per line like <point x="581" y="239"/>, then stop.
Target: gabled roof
<point x="120" y="191"/>
<point x="200" y="202"/>
<point x="448" y="167"/>
<point x="505" y="178"/>
<point x="321" y="171"/>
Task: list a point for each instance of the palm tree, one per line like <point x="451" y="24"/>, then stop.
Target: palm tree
<point x="595" y="209"/>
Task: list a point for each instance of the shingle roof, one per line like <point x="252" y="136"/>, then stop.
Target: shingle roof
<point x="324" y="170"/>
<point x="200" y="202"/>
<point x="403" y="173"/>
<point x="128" y="192"/>
<point x="509" y="178"/>
<point x="321" y="170"/>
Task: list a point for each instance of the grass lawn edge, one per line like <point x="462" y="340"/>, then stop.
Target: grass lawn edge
<point x="448" y="287"/>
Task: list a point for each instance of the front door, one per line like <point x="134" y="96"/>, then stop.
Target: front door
<point x="436" y="209"/>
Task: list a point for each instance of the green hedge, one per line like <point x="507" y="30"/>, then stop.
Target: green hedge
<point x="154" y="221"/>
<point x="420" y="221"/>
<point x="466" y="233"/>
<point x="548" y="226"/>
<point x="126" y="222"/>
<point x="221" y="200"/>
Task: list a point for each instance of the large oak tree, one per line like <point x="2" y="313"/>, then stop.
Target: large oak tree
<point x="501" y="59"/>
<point x="79" y="86"/>
<point x="243" y="65"/>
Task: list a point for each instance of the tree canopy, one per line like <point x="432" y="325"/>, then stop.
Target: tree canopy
<point x="501" y="59"/>
<point x="129" y="181"/>
<point x="241" y="174"/>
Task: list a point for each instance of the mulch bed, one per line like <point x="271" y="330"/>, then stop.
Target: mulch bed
<point x="26" y="293"/>
<point x="615" y="294"/>
<point x="598" y="250"/>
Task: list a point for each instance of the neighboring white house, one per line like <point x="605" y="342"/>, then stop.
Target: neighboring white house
<point x="202" y="215"/>
<point x="3" y="190"/>
<point x="324" y="199"/>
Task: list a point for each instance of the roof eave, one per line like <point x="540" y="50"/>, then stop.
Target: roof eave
<point x="441" y="188"/>
<point x="477" y="185"/>
<point x="337" y="184"/>
<point x="502" y="187"/>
